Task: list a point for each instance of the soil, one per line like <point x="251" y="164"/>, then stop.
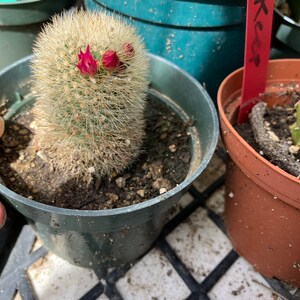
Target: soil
<point x="162" y="165"/>
<point x="271" y="137"/>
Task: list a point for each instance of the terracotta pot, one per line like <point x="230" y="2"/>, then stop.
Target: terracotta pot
<point x="262" y="201"/>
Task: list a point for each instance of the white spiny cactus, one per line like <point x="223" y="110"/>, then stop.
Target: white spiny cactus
<point x="90" y="72"/>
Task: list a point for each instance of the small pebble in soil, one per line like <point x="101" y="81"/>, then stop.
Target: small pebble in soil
<point x="156" y="169"/>
<point x="121" y="182"/>
<point x="294" y="149"/>
<point x="160" y="183"/>
<point x="162" y="191"/>
<point x="273" y="136"/>
<point x="172" y="148"/>
<point x="141" y="193"/>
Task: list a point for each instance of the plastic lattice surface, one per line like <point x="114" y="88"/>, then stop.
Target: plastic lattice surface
<point x="13" y="277"/>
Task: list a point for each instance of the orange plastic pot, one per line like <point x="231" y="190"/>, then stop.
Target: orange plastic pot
<point x="262" y="202"/>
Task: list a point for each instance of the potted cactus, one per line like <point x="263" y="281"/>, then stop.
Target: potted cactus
<point x="90" y="77"/>
<point x="83" y="124"/>
<point x="262" y="180"/>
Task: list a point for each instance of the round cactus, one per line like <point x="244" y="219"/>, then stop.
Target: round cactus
<point x="90" y="73"/>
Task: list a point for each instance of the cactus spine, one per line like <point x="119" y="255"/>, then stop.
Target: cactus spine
<point x="90" y="72"/>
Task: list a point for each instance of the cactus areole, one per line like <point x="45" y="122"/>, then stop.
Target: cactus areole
<point x="90" y="73"/>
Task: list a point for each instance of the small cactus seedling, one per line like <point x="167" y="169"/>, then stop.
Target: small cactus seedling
<point x="90" y="72"/>
<point x="295" y="128"/>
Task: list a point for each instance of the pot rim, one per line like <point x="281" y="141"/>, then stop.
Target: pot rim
<point x="200" y="9"/>
<point x="288" y="21"/>
<point x="241" y="140"/>
<point x="8" y="3"/>
<point x="147" y="203"/>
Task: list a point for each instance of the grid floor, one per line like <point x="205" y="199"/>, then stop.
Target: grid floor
<point x="192" y="259"/>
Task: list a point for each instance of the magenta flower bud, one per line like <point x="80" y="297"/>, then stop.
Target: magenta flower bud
<point x="87" y="65"/>
<point x="128" y="50"/>
<point x="110" y="60"/>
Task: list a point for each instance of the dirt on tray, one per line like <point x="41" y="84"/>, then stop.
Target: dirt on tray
<point x="163" y="164"/>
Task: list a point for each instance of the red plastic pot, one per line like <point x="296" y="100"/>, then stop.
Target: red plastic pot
<point x="262" y="201"/>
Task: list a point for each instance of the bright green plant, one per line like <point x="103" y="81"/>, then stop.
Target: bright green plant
<point x="90" y="73"/>
<point x="295" y="128"/>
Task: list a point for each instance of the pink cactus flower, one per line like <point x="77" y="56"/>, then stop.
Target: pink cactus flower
<point x="128" y="50"/>
<point x="110" y="60"/>
<point x="87" y="64"/>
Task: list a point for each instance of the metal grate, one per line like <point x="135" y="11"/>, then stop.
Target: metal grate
<point x="17" y="239"/>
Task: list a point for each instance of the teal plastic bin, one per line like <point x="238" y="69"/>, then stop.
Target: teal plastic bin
<point x="205" y="38"/>
<point x="20" y="22"/>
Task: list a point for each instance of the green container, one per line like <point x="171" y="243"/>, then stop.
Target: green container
<point x="204" y="38"/>
<point x="113" y="237"/>
<point x="20" y="22"/>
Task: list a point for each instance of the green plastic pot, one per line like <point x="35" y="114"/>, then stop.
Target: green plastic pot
<point x="113" y="237"/>
<point x="20" y="22"/>
<point x="25" y="12"/>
